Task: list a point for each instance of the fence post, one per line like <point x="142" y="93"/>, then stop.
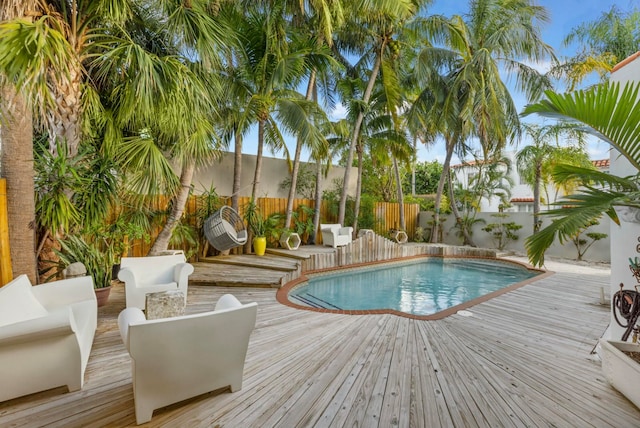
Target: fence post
<point x="6" y="273"/>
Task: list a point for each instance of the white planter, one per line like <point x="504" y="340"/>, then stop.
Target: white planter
<point x="290" y="240"/>
<point x="621" y="372"/>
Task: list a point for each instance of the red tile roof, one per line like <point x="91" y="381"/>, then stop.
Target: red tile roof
<point x="468" y="163"/>
<point x="521" y="200"/>
<point x="625" y="61"/>
<point x="601" y="163"/>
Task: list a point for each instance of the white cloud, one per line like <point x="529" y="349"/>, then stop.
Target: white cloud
<point x="598" y="150"/>
<point x="339" y="112"/>
<point x="541" y="66"/>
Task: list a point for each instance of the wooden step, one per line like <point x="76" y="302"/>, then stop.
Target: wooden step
<point x="230" y="275"/>
<point x="271" y="262"/>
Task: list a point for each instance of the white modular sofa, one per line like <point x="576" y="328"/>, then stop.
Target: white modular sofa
<point x="46" y="334"/>
<point x="334" y="235"/>
<point x="173" y="359"/>
<point x="143" y="275"/>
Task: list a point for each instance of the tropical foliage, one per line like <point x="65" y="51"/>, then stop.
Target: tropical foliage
<point x="552" y="144"/>
<point x="604" y="42"/>
<point x="502" y="232"/>
<point x="129" y="98"/>
<point x="610" y="112"/>
<point x="465" y="93"/>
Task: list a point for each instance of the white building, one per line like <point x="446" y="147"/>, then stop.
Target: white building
<point x="626" y="237"/>
<point x="521" y="199"/>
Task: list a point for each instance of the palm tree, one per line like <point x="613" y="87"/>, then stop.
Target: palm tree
<point x="100" y="69"/>
<point x="494" y="180"/>
<point x="605" y="42"/>
<point x="369" y="31"/>
<point x="16" y="160"/>
<point x="270" y="69"/>
<point x="469" y="53"/>
<point x="531" y="159"/>
<point x="314" y="20"/>
<point x="612" y="115"/>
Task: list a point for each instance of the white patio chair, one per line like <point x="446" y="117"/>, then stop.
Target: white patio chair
<point x="46" y="334"/>
<point x="143" y="275"/>
<point x="173" y="359"/>
<point x="334" y="235"/>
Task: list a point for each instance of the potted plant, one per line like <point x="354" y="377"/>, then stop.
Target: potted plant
<point x="257" y="226"/>
<point x="114" y="239"/>
<point x="73" y="249"/>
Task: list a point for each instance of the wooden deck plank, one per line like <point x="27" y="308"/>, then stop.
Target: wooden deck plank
<point x="520" y="359"/>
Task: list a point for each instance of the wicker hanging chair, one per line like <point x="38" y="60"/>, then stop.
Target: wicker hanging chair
<point x="225" y="229"/>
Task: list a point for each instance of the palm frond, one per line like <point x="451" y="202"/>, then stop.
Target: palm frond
<point x="608" y="113"/>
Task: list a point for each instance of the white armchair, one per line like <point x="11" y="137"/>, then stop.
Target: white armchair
<point x="143" y="275"/>
<point x="46" y="334"/>
<point x="334" y="235"/>
<point x="173" y="359"/>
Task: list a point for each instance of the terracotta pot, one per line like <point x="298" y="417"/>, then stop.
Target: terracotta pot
<point x="260" y="245"/>
<point x="102" y="295"/>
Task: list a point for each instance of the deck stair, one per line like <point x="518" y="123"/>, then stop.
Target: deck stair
<point x="268" y="261"/>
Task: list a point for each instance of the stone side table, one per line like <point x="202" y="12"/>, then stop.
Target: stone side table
<point x="164" y="304"/>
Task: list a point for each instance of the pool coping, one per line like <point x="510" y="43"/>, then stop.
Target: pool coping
<point x="283" y="292"/>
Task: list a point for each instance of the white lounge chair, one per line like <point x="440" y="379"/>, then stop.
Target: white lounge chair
<point x="173" y="359"/>
<point x="334" y="235"/>
<point x="46" y="334"/>
<point x="143" y="275"/>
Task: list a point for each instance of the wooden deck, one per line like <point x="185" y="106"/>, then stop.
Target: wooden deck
<point x="521" y="359"/>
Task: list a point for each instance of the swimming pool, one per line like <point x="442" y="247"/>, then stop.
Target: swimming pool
<point x="423" y="287"/>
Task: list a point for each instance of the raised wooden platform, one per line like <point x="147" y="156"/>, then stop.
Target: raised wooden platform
<point x="280" y="266"/>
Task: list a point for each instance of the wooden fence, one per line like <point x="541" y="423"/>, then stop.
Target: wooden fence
<point x="387" y="216"/>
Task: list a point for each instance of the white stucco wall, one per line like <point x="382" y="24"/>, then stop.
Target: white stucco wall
<point x="274" y="171"/>
<point x="625" y="239"/>
<point x="598" y="252"/>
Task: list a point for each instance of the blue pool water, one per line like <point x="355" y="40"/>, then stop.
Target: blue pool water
<point x="422" y="287"/>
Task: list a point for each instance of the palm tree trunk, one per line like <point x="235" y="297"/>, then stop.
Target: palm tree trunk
<point x="294" y="183"/>
<point x="396" y="169"/>
<point x="237" y="170"/>
<point x="318" y="203"/>
<point x="356" y="208"/>
<point x="413" y="166"/>
<point x="186" y="177"/>
<point x="439" y="192"/>
<point x="16" y="163"/>
<point x="64" y="123"/>
<point x="459" y="221"/>
<point x="356" y="136"/>
<point x="16" y="166"/>
<point x="296" y="159"/>
<point x="536" y="198"/>
<point x="258" y="170"/>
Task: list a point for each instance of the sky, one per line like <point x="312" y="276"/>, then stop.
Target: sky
<point x="564" y="16"/>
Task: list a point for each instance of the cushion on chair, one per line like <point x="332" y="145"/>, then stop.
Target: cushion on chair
<point x="228" y="228"/>
<point x="18" y="303"/>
